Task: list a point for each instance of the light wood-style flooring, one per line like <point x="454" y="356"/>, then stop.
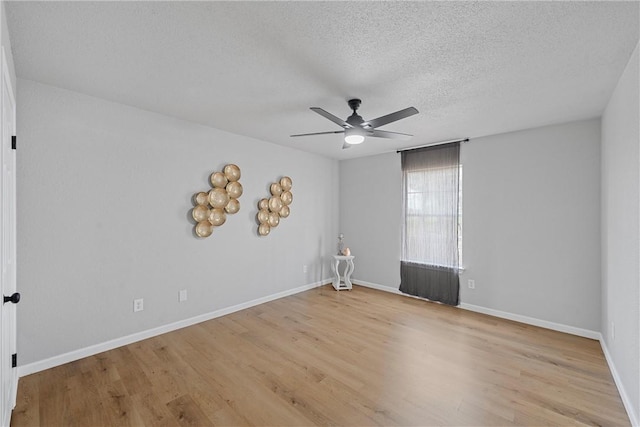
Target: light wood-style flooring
<point x="323" y="357"/>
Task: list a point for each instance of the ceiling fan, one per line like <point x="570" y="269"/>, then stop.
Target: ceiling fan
<point x="355" y="128"/>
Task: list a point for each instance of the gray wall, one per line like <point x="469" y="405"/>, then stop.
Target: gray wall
<point x="6" y="44"/>
<point x="370" y="216"/>
<point x="531" y="222"/>
<point x="531" y="238"/>
<point x="621" y="231"/>
<point x="104" y="204"/>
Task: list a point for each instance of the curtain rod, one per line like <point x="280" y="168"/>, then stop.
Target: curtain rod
<point x="433" y="144"/>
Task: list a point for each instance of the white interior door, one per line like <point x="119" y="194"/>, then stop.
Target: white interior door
<point x="8" y="374"/>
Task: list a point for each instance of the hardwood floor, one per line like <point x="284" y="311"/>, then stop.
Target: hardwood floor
<point x="323" y="357"/>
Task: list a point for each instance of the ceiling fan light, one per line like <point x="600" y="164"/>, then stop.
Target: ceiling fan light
<point x="353" y="137"/>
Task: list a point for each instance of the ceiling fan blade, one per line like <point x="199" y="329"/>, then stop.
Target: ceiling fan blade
<point x="331" y="117"/>
<point x="386" y="134"/>
<point x="319" y="133"/>
<point x="381" y="121"/>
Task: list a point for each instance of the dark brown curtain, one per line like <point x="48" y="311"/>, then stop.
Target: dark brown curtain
<point x="431" y="227"/>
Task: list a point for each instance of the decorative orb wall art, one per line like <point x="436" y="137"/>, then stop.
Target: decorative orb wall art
<point x="287" y="198"/>
<point x="271" y="210"/>
<point x="232" y="172"/>
<point x="276" y="189"/>
<point x="217" y="217"/>
<point x="218" y="180"/>
<point x="234" y="189"/>
<point x="211" y="208"/>
<point x="285" y="183"/>
<point x="218" y="197"/>
<point x="204" y="229"/>
<point x="232" y="207"/>
<point x="263" y="216"/>
<point x="275" y="204"/>
<point x="274" y="219"/>
<point x="202" y="198"/>
<point x="200" y="213"/>
<point x="264" y="229"/>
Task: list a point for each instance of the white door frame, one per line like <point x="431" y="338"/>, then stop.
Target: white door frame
<point x="8" y="373"/>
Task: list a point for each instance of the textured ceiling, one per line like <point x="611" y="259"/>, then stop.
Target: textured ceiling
<point x="255" y="68"/>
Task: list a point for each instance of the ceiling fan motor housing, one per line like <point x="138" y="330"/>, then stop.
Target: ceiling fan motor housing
<point x="355" y="119"/>
<point x="354" y="104"/>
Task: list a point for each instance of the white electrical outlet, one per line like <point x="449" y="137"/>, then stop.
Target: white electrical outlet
<point x="182" y="295"/>
<point x="138" y="305"/>
<point x="305" y="268"/>
<point x="472" y="284"/>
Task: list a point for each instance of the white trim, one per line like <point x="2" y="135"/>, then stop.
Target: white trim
<point x="61" y="359"/>
<point x="378" y="287"/>
<point x="9" y="402"/>
<point x="533" y="321"/>
<point x="626" y="401"/>
<point x="497" y="313"/>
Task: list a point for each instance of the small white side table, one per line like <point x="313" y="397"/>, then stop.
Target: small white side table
<point x="344" y="281"/>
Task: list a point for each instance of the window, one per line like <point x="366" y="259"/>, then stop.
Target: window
<point x="431" y="234"/>
<point x="427" y="219"/>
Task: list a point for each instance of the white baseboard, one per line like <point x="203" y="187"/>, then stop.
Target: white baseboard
<point x="61" y="359"/>
<point x="378" y="287"/>
<point x="626" y="401"/>
<point x="533" y="321"/>
<point x="502" y="314"/>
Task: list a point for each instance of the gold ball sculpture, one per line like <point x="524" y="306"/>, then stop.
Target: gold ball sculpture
<point x="275" y="189"/>
<point x="274" y="219"/>
<point x="232" y="172"/>
<point x="275" y="204"/>
<point x="263" y="216"/>
<point x="211" y="207"/>
<point x="218" y="180"/>
<point x="234" y="189"/>
<point x="218" y="198"/>
<point x="200" y="213"/>
<point x="263" y="204"/>
<point x="286" y="197"/>
<point x="217" y="217"/>
<point x="232" y="207"/>
<point x="272" y="209"/>
<point x="202" y="198"/>
<point x="264" y="229"/>
<point x="204" y="229"/>
<point x="285" y="183"/>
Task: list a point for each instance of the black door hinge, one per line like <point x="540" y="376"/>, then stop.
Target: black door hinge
<point x="13" y="142"/>
<point x="14" y="360"/>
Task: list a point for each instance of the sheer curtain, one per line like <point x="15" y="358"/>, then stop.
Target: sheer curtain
<point x="431" y="208"/>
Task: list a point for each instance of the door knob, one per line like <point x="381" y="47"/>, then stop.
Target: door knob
<point x="15" y="298"/>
